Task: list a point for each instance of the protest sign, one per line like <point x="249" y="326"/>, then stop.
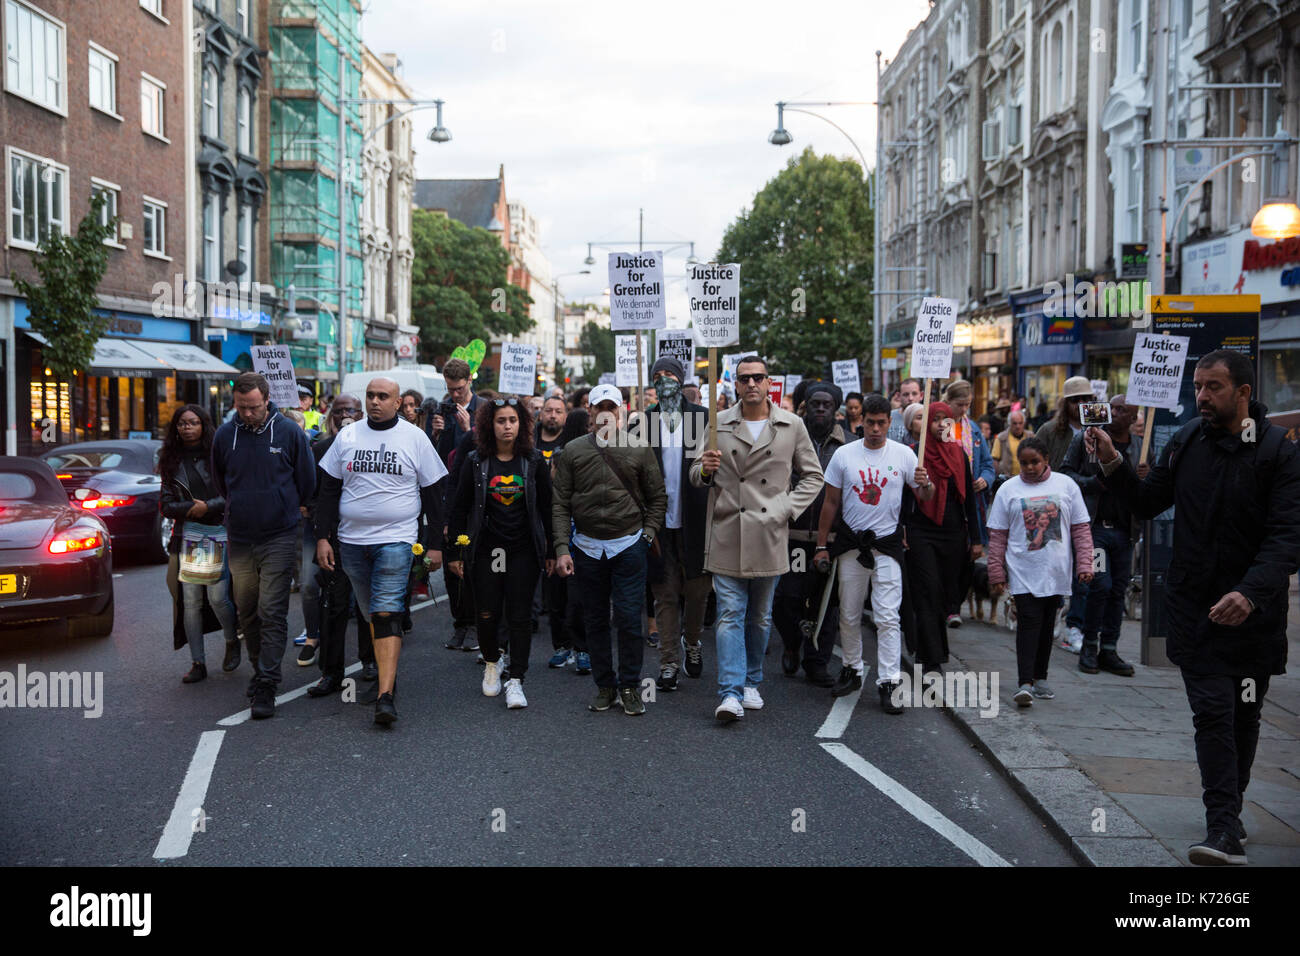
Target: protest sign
<point x="776" y="388"/>
<point x="680" y="344"/>
<point x="518" y="368"/>
<point x="276" y="364"/>
<point x="932" y="341"/>
<point x="714" y="290"/>
<point x="608" y="378"/>
<point x="792" y="382"/>
<point x="1098" y="389"/>
<point x="845" y="375"/>
<point x="625" y="362"/>
<point x="1156" y="375"/>
<point x="636" y="291"/>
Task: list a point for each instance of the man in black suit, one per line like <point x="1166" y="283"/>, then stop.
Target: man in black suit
<point x="677" y="431"/>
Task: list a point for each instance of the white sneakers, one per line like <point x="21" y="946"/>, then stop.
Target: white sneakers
<point x="729" y="710"/>
<point x="1073" y="640"/>
<point x="515" y="698"/>
<point x="491" y="678"/>
<point x="752" y="700"/>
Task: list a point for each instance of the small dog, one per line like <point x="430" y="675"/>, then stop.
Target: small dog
<point x="1001" y="608"/>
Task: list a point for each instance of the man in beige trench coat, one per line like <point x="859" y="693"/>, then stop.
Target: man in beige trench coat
<point x="759" y="444"/>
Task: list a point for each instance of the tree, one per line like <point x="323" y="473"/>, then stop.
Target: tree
<point x="598" y="342"/>
<point x="810" y="229"/>
<point x="459" y="289"/>
<point x="63" y="303"/>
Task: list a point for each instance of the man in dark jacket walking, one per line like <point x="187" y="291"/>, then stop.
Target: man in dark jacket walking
<point x="799" y="592"/>
<point x="1235" y="482"/>
<point x="677" y="431"/>
<point x="262" y="465"/>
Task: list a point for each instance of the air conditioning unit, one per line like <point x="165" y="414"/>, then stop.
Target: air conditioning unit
<point x="992" y="140"/>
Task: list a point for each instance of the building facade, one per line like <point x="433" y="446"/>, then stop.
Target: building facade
<point x="98" y="98"/>
<point x="535" y="269"/>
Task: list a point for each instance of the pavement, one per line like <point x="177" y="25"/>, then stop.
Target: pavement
<point x="1110" y="762"/>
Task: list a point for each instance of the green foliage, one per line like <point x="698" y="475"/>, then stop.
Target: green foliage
<point x="597" y="342"/>
<point x="62" y="303"/>
<point x="810" y="228"/>
<point x="459" y="290"/>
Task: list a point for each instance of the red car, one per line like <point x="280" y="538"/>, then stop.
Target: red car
<point x="56" y="560"/>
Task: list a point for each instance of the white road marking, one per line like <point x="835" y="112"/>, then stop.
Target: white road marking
<point x="175" y="840"/>
<point x="837" y="721"/>
<point x="914" y="805"/>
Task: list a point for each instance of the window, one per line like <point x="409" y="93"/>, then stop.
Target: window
<point x="108" y="211"/>
<point x="1058" y="68"/>
<point x="1185" y="19"/>
<point x="1133" y="203"/>
<point x="38" y="199"/>
<point x="992" y="140"/>
<point x="34" y="56"/>
<point x="211" y="102"/>
<point x="245" y="122"/>
<point x="1136" y="36"/>
<point x="155" y="227"/>
<point x="244" y="242"/>
<point x="154" y="7"/>
<point x="152" y="94"/>
<point x="241" y="16"/>
<point x="103" y="80"/>
<point x="212" y="237"/>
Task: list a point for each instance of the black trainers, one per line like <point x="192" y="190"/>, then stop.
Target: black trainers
<point x="385" y="711"/>
<point x="694" y="660"/>
<point x="887" y="698"/>
<point x="1217" y="849"/>
<point x="231" y="660"/>
<point x="457" y="641"/>
<point x="1088" y="658"/>
<point x="263" y="700"/>
<point x="848" y="681"/>
<point x="307" y="655"/>
<point x="1112" y="663"/>
<point x="325" y="686"/>
<point x="631" y="700"/>
<point x="667" y="678"/>
<point x="197" y="672"/>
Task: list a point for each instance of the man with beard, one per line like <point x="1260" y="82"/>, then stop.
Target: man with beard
<point x="1235" y="482"/>
<point x="677" y="431"/>
<point x="799" y="592"/>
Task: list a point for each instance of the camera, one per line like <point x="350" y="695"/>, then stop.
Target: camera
<point x="448" y="412"/>
<point x="1094" y="413"/>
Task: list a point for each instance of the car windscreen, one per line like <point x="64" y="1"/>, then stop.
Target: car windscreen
<point x="100" y="458"/>
<point x="20" y="486"/>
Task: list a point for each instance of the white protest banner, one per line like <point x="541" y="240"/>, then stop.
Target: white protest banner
<point x="608" y="378"/>
<point x="636" y="291"/>
<point x="680" y="344"/>
<point x="714" y="290"/>
<point x="791" y="383"/>
<point x="276" y="364"/>
<point x="518" y="368"/>
<point x="727" y="375"/>
<point x="932" y="341"/>
<point x="625" y="362"/>
<point x="1098" y="389"/>
<point x="845" y="375"/>
<point x="1156" y="375"/>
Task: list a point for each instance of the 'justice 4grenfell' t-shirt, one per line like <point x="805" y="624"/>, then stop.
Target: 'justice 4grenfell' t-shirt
<point x="382" y="471"/>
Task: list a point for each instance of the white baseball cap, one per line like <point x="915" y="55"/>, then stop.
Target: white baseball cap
<point x="605" y="393"/>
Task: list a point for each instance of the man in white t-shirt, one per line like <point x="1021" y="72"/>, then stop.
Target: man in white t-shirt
<point x="381" y="478"/>
<point x="864" y="495"/>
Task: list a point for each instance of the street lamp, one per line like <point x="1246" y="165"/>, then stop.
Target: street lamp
<point x="1276" y="219"/>
<point x="439" y="133"/>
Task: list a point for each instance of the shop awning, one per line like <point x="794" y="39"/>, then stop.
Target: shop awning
<point x="189" y="361"/>
<point x="116" y="358"/>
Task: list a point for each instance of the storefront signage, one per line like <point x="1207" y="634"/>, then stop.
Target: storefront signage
<point x="1133" y="260"/>
<point x="1240" y="264"/>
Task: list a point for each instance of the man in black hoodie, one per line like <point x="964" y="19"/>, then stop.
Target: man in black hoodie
<point x="1235" y="482"/>
<point x="263" y="467"/>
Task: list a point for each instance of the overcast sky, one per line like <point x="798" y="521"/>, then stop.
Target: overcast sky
<point x="600" y="108"/>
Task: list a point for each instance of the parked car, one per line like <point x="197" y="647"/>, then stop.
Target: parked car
<point x="56" y="559"/>
<point x="116" y="480"/>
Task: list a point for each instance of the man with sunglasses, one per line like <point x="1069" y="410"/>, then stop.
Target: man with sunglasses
<point x="751" y="501"/>
<point x="383" y="476"/>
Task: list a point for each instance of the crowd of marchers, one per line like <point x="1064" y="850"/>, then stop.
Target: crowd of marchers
<point x="636" y="530"/>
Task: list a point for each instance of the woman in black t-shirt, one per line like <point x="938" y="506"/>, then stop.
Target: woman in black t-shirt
<point x="503" y="505"/>
<point x="189" y="493"/>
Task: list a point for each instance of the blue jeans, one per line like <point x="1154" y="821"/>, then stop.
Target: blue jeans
<point x="1105" y="609"/>
<point x="219" y="598"/>
<point x="378" y="573"/>
<point x="742" y="628"/>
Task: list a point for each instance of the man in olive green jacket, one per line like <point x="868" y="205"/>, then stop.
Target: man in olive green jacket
<point x="612" y="491"/>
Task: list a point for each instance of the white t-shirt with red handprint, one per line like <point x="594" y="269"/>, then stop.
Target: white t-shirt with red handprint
<point x="871" y="483"/>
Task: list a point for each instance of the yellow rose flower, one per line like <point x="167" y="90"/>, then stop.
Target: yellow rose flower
<point x="417" y="549"/>
<point x="462" y="540"/>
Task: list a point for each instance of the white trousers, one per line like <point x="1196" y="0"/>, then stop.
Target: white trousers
<point x="885" y="582"/>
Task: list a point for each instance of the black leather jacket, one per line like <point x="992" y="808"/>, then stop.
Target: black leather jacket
<point x="175" y="501"/>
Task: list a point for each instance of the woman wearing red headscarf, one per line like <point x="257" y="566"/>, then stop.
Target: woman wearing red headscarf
<point x="943" y="535"/>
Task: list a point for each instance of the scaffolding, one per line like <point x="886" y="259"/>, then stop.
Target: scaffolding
<point x="315" y="54"/>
